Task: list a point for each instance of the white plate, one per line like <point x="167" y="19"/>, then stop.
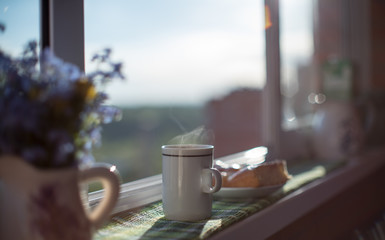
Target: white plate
<point x="238" y="193"/>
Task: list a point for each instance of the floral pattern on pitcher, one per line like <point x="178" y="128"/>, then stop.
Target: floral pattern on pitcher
<point x="52" y="220"/>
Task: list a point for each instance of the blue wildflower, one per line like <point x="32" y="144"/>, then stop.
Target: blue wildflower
<point x="51" y="116"/>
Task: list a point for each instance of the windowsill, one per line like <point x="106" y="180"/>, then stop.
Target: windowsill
<point x="276" y="217"/>
<point x="133" y="194"/>
<point x="148" y="190"/>
<point x="271" y="220"/>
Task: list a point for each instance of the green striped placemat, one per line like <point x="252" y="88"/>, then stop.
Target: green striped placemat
<point x="149" y="222"/>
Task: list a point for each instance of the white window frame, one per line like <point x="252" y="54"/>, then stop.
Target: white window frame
<point x="296" y="142"/>
<point x="66" y="39"/>
<point x="272" y="91"/>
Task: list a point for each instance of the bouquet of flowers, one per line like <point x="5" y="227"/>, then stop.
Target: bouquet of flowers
<point x="50" y="111"/>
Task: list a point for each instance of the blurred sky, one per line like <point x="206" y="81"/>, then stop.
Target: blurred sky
<point x="174" y="52"/>
<point x="21" y="18"/>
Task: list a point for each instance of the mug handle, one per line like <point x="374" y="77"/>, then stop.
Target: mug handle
<point x="207" y="176"/>
<point x="111" y="185"/>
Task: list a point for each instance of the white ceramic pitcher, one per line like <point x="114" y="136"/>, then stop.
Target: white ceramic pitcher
<point x="46" y="204"/>
<point x="338" y="131"/>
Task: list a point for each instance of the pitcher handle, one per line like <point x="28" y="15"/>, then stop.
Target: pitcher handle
<point x="111" y="185"/>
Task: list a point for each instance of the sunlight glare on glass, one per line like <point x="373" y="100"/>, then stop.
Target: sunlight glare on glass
<point x="291" y="119"/>
<point x="311" y="98"/>
<point x="113" y="168"/>
<point x="320" y="98"/>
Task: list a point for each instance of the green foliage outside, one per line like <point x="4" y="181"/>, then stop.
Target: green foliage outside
<point x="134" y="143"/>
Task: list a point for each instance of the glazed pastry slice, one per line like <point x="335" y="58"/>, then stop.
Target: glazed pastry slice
<point x="265" y="174"/>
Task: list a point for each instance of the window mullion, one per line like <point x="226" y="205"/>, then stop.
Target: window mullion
<point x="272" y="91"/>
<point x="66" y="29"/>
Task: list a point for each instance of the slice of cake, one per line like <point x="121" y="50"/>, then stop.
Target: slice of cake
<point x="264" y="174"/>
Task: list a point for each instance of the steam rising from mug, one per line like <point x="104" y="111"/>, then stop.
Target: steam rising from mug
<point x="200" y="135"/>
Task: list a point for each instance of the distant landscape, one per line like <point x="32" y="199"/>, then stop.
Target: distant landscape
<point x="134" y="143"/>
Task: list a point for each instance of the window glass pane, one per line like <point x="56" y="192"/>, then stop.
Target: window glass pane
<point x="190" y="65"/>
<point x="21" y="20"/>
<point x="297" y="70"/>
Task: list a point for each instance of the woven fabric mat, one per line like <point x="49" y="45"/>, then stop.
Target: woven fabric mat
<point x="149" y="222"/>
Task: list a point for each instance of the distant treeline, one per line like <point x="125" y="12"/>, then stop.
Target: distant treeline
<point x="133" y="144"/>
<point x="165" y="121"/>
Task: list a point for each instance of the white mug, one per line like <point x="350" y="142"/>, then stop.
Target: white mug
<point x="188" y="181"/>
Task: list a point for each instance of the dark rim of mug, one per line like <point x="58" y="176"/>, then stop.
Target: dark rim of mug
<point x="178" y="155"/>
<point x="187" y="150"/>
<point x="188" y="146"/>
